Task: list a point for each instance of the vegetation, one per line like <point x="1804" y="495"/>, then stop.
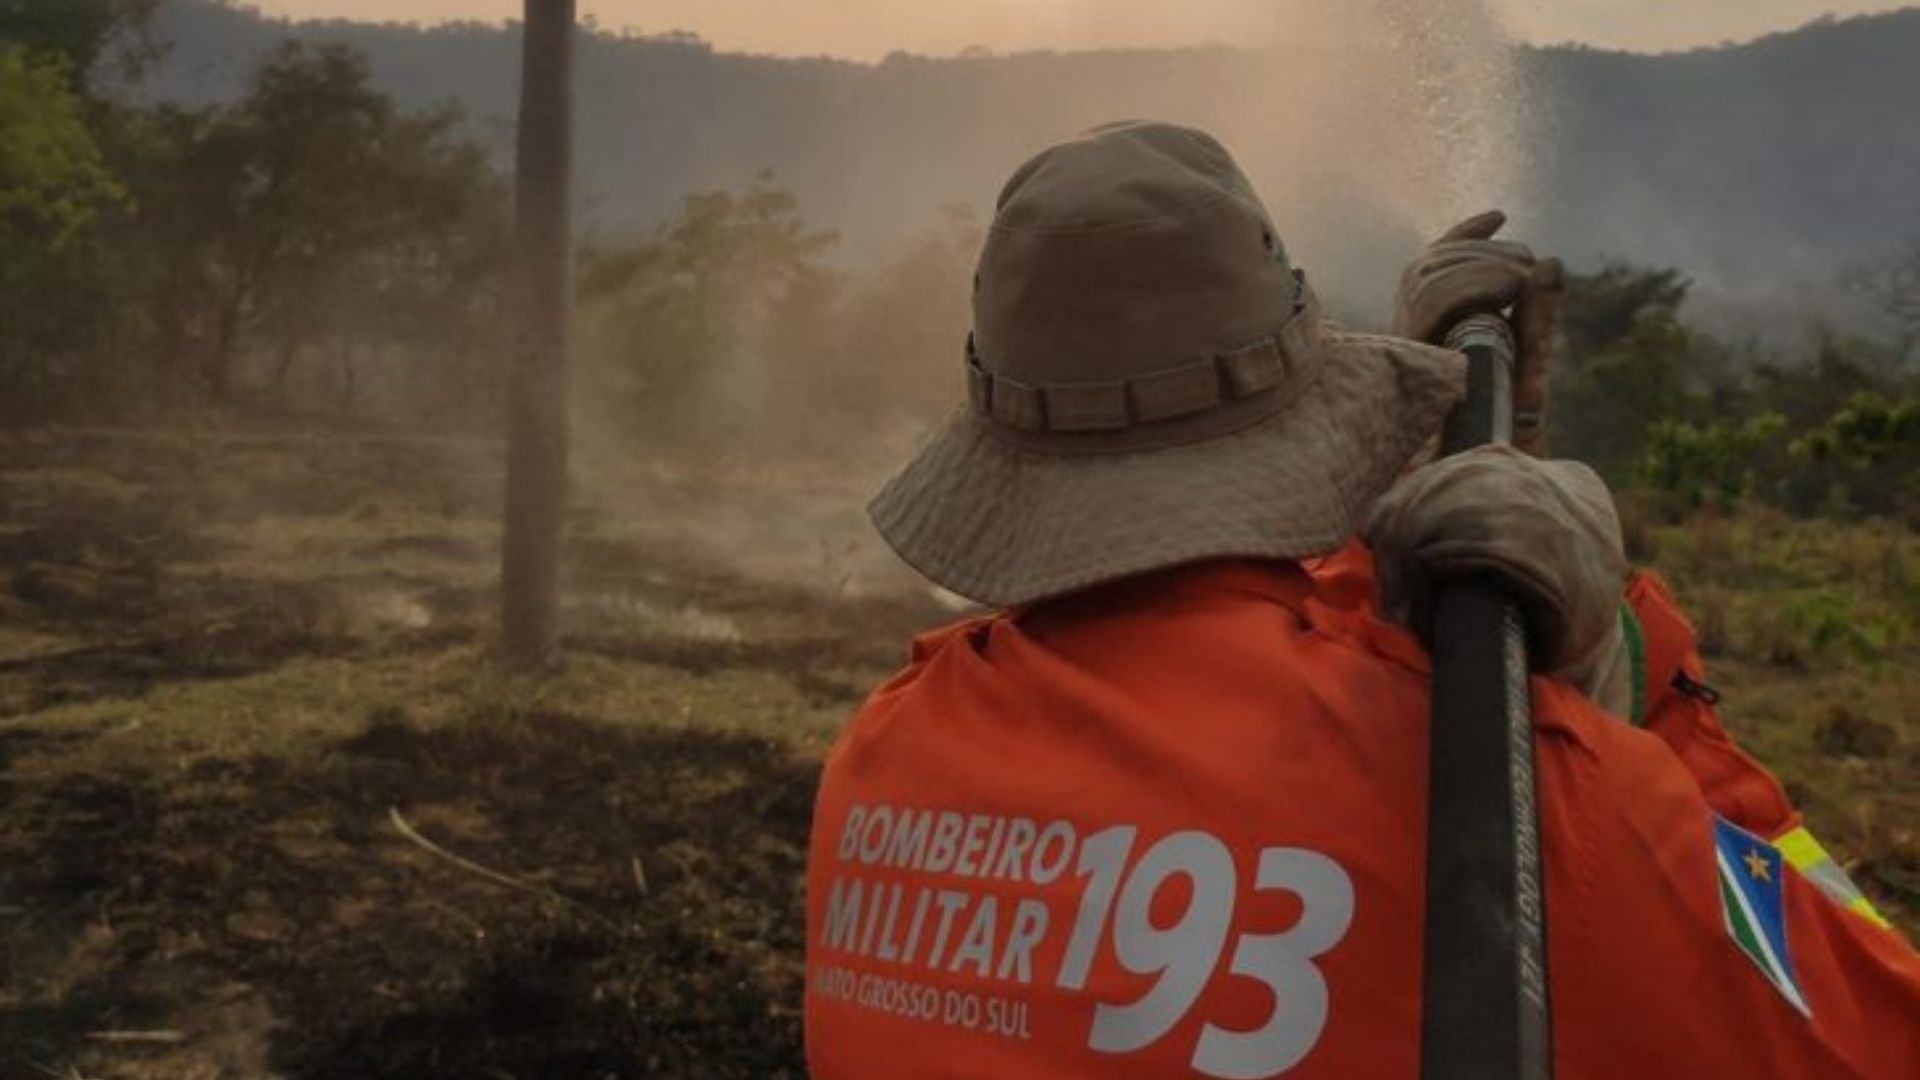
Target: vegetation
<point x="155" y="258"/>
<point x="55" y="181"/>
<point x="727" y="327"/>
<point x="1652" y="402"/>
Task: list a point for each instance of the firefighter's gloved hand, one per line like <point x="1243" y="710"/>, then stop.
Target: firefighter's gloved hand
<point x="1466" y="272"/>
<point x="1546" y="528"/>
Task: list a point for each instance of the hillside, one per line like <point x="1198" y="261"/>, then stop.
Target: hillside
<point x="1787" y="155"/>
<point x="1752" y="167"/>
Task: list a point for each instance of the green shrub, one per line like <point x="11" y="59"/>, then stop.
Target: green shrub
<point x="1708" y="465"/>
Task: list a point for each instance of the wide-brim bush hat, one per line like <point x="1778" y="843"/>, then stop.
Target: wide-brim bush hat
<point x="1150" y="383"/>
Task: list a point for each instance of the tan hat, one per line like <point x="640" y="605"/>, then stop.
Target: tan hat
<point x="1150" y="384"/>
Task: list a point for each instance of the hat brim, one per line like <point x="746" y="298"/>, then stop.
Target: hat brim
<point x="1005" y="526"/>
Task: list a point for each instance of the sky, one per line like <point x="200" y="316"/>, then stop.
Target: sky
<point x="868" y="29"/>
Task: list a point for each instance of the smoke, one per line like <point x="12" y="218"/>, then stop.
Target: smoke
<point x="1368" y="125"/>
<point x="1414" y="116"/>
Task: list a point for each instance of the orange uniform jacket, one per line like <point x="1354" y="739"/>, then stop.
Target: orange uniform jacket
<point x="1175" y="827"/>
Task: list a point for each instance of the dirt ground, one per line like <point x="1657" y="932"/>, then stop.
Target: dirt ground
<point x="267" y="810"/>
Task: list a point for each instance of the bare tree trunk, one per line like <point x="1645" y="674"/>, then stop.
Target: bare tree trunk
<point x="537" y="379"/>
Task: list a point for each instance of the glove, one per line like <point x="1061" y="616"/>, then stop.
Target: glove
<point x="1546" y="528"/>
<point x="1467" y="272"/>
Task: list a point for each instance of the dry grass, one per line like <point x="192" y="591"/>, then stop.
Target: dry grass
<point x="1812" y="630"/>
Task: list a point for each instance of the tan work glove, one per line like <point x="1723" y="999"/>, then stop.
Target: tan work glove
<point x="1546" y="528"/>
<point x="1468" y="272"/>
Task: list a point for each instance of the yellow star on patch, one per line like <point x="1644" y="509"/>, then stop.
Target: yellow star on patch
<point x="1757" y="866"/>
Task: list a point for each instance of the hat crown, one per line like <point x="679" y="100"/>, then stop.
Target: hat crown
<point x="1122" y="267"/>
<point x="1125" y="174"/>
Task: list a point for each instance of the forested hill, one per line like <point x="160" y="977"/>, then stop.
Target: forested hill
<point x="1756" y="165"/>
<point x="1794" y="151"/>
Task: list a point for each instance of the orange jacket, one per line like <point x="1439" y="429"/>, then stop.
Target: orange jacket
<point x="1175" y="827"/>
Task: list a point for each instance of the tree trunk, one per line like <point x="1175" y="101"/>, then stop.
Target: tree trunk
<point x="537" y="379"/>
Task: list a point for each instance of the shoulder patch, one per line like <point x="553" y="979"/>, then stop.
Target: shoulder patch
<point x="1750" y="872"/>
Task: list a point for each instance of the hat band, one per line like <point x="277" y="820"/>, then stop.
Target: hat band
<point x="1195" y="386"/>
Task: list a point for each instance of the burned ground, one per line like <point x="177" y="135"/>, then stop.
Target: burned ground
<point x="652" y="936"/>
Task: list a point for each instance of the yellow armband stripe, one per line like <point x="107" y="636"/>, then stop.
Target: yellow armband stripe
<point x="1805" y="854"/>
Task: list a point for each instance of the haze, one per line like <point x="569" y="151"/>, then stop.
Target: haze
<point x="868" y="29"/>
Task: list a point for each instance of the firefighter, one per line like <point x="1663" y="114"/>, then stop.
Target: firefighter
<point x="1162" y="814"/>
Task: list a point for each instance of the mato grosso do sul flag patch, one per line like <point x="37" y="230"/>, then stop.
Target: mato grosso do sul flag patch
<point x="1751" y="886"/>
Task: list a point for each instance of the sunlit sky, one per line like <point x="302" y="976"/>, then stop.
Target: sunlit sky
<point x="867" y="29"/>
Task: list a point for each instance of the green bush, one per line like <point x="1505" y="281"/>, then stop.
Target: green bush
<point x="1711" y="464"/>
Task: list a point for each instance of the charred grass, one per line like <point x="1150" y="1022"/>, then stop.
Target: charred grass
<point x="652" y="937"/>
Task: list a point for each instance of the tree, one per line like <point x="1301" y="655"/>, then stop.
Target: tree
<point x="536" y="494"/>
<point x="313" y="214"/>
<point x="52" y="177"/>
<point x="1866" y="456"/>
<point x="718" y="319"/>
<point x="372" y="224"/>
<point x="1630" y="363"/>
<point x="728" y="330"/>
<point x="158" y="254"/>
<point x="908" y="328"/>
<point x="54" y="182"/>
<point x="1604" y="307"/>
<point x="1715" y="463"/>
<point x="62" y="186"/>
